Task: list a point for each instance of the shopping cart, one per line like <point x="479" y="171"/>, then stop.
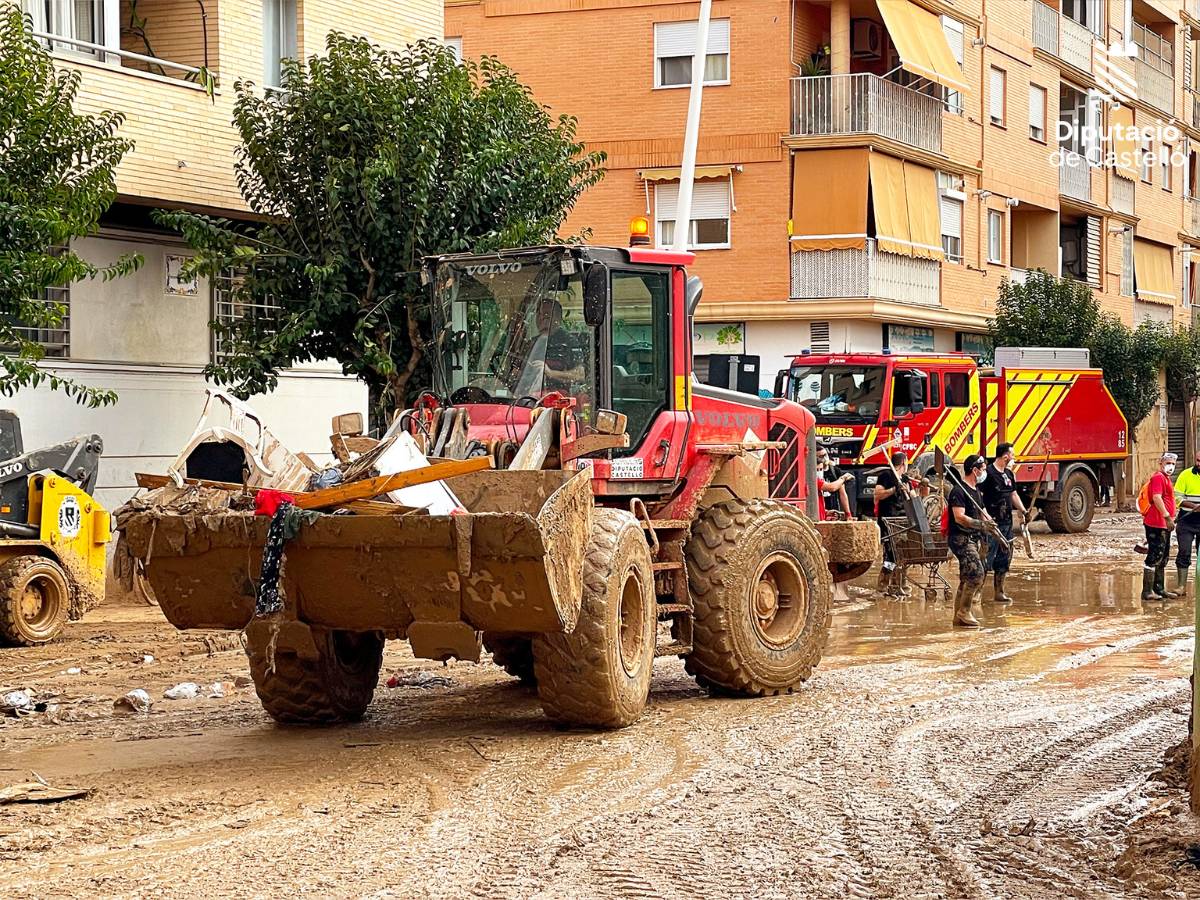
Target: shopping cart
<point x="923" y="553"/>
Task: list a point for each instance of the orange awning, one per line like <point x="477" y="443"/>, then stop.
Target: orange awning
<point x="918" y="37"/>
<point x="672" y="174"/>
<point x="829" y="200"/>
<point x="890" y="202"/>
<point x="1153" y="272"/>
<point x="1124" y="146"/>
<point x="924" y="218"/>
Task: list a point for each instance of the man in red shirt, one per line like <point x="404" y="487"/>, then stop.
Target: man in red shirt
<point x="1159" y="520"/>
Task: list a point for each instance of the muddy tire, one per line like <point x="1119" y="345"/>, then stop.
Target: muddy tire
<point x="35" y="597"/>
<point x="761" y="593"/>
<point x="513" y="654"/>
<point x="1072" y="513"/>
<point x="335" y="686"/>
<point x="599" y="674"/>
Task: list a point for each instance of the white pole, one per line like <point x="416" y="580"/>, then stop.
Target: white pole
<point x="691" y="136"/>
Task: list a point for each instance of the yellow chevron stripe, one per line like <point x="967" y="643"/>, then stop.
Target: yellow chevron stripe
<point x="1030" y="436"/>
<point x="1038" y="411"/>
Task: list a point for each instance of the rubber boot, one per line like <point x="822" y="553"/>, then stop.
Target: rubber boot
<point x="1148" y="585"/>
<point x="1160" y="583"/>
<point x="998" y="584"/>
<point x="962" y="606"/>
<point x="1181" y="580"/>
<point x="885" y="580"/>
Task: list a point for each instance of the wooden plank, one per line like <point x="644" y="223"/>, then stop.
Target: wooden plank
<point x="145" y="480"/>
<point x="384" y="484"/>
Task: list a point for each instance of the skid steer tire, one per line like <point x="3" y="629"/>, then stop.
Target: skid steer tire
<point x="599" y="674"/>
<point x="761" y="592"/>
<point x="335" y="686"/>
<point x="513" y="654"/>
<point x="35" y="596"/>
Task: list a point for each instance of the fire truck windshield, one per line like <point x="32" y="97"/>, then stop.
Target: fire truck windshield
<point x="839" y="393"/>
<point x="511" y="327"/>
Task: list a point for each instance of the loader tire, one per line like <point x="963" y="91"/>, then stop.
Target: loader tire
<point x="35" y="596"/>
<point x="761" y="592"/>
<point x="599" y="674"/>
<point x="513" y="654"/>
<point x="336" y="686"/>
<point x="1073" y="512"/>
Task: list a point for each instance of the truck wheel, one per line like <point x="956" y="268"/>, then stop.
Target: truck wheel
<point x="34" y="598"/>
<point x="513" y="654"/>
<point x="335" y="686"/>
<point x="1072" y="512"/>
<point x="761" y="593"/>
<point x="599" y="674"/>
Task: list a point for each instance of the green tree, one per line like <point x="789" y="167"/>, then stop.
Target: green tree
<point x="368" y="162"/>
<point x="1047" y="311"/>
<point x="1181" y="359"/>
<point x="57" y="175"/>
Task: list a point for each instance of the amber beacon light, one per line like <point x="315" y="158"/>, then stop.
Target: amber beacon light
<point x="639" y="232"/>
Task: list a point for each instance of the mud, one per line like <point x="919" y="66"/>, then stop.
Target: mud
<point x="1025" y="759"/>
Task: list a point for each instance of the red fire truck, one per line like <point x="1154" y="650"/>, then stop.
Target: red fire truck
<point x="1065" y="427"/>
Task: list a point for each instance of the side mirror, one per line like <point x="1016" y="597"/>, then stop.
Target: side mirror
<point x="917" y="407"/>
<point x="783" y="383"/>
<point x="595" y="295"/>
<point x="695" y="290"/>
<point x="916" y="394"/>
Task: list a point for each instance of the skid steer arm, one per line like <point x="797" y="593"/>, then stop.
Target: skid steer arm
<point x="77" y="460"/>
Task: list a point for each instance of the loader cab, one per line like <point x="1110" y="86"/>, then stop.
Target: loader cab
<point x="601" y="326"/>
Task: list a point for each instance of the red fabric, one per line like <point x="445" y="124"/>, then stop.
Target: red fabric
<point x="820" y="500"/>
<point x="266" y="502"/>
<point x="1160" y="484"/>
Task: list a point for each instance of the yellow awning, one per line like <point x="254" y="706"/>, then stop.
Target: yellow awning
<point x="672" y="174"/>
<point x="1123" y="145"/>
<point x="829" y="200"/>
<point x="1153" y="272"/>
<point x="924" y="218"/>
<point x="890" y="202"/>
<point x="918" y="37"/>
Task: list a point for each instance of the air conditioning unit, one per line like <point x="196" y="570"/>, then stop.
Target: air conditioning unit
<point x="866" y="39"/>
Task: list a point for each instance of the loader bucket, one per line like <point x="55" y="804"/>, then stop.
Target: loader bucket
<point x="513" y="562"/>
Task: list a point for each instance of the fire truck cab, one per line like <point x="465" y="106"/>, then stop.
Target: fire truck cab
<point x="1066" y="430"/>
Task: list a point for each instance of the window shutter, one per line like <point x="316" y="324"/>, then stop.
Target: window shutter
<point x="1092" y="144"/>
<point x="951" y="216"/>
<point x="1093" y="251"/>
<point x="666" y="201"/>
<point x="679" y="38"/>
<point x="1127" y="263"/>
<point x="953" y="29"/>
<point x="710" y="200"/>
<point x="1037" y="107"/>
<point x="1187" y="58"/>
<point x="996" y="96"/>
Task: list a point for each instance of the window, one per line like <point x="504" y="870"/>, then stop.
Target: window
<point x="1146" y="159"/>
<point x="1037" y="113"/>
<point x="279" y="39"/>
<point x="1088" y="13"/>
<point x="641" y="352"/>
<point x="935" y="391"/>
<point x="953" y="29"/>
<point x="1154" y="50"/>
<point x="957" y="394"/>
<point x="950" y="206"/>
<point x="995" y="236"/>
<point x="710" y="214"/>
<point x="996" y="96"/>
<point x="675" y="45"/>
<point x="455" y="46"/>
<point x="55" y="339"/>
<point x="1127" y="262"/>
<point x="1165" y="162"/>
<point x="79" y="19"/>
<point x="231" y="305"/>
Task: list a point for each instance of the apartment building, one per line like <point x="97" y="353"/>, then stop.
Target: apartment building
<point x="147" y="336"/>
<point x="871" y="170"/>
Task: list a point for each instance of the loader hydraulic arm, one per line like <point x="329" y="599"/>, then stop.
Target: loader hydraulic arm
<point x="77" y="460"/>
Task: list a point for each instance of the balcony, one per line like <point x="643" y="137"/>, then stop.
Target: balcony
<point x="843" y="274"/>
<point x="1122" y="194"/>
<point x="1074" y="176"/>
<point x="829" y="105"/>
<point x="1155" y="87"/>
<point x="1061" y="36"/>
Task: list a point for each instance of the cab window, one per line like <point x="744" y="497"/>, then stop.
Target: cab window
<point x="934" y="399"/>
<point x="902" y="399"/>
<point x="957" y="393"/>
<point x="641" y="352"/>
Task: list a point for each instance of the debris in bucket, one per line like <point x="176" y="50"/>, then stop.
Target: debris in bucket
<point x="187" y="690"/>
<point x="136" y="701"/>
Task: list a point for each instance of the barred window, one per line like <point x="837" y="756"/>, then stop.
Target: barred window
<point x="55" y="341"/>
<point x="230" y="305"/>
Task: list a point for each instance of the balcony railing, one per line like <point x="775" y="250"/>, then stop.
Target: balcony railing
<point x="866" y="104"/>
<point x="112" y="54"/>
<point x="1155" y="87"/>
<point x="1074" y="176"/>
<point x="1065" y="38"/>
<point x="869" y="273"/>
<point x="1122" y="194"/>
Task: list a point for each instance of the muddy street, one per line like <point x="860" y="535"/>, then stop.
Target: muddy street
<point x="918" y="761"/>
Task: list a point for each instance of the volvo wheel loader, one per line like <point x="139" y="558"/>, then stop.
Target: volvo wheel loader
<point x="631" y="514"/>
<point x="52" y="534"/>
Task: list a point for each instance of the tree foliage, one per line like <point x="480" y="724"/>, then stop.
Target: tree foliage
<point x="57" y="175"/>
<point x="368" y="162"/>
<point x="1047" y="311"/>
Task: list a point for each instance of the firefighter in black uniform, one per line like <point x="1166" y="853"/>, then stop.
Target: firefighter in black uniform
<point x="966" y="531"/>
<point x="1000" y="498"/>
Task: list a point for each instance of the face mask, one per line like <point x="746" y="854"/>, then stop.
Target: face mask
<point x="1169" y="468"/>
<point x="981" y="477"/>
